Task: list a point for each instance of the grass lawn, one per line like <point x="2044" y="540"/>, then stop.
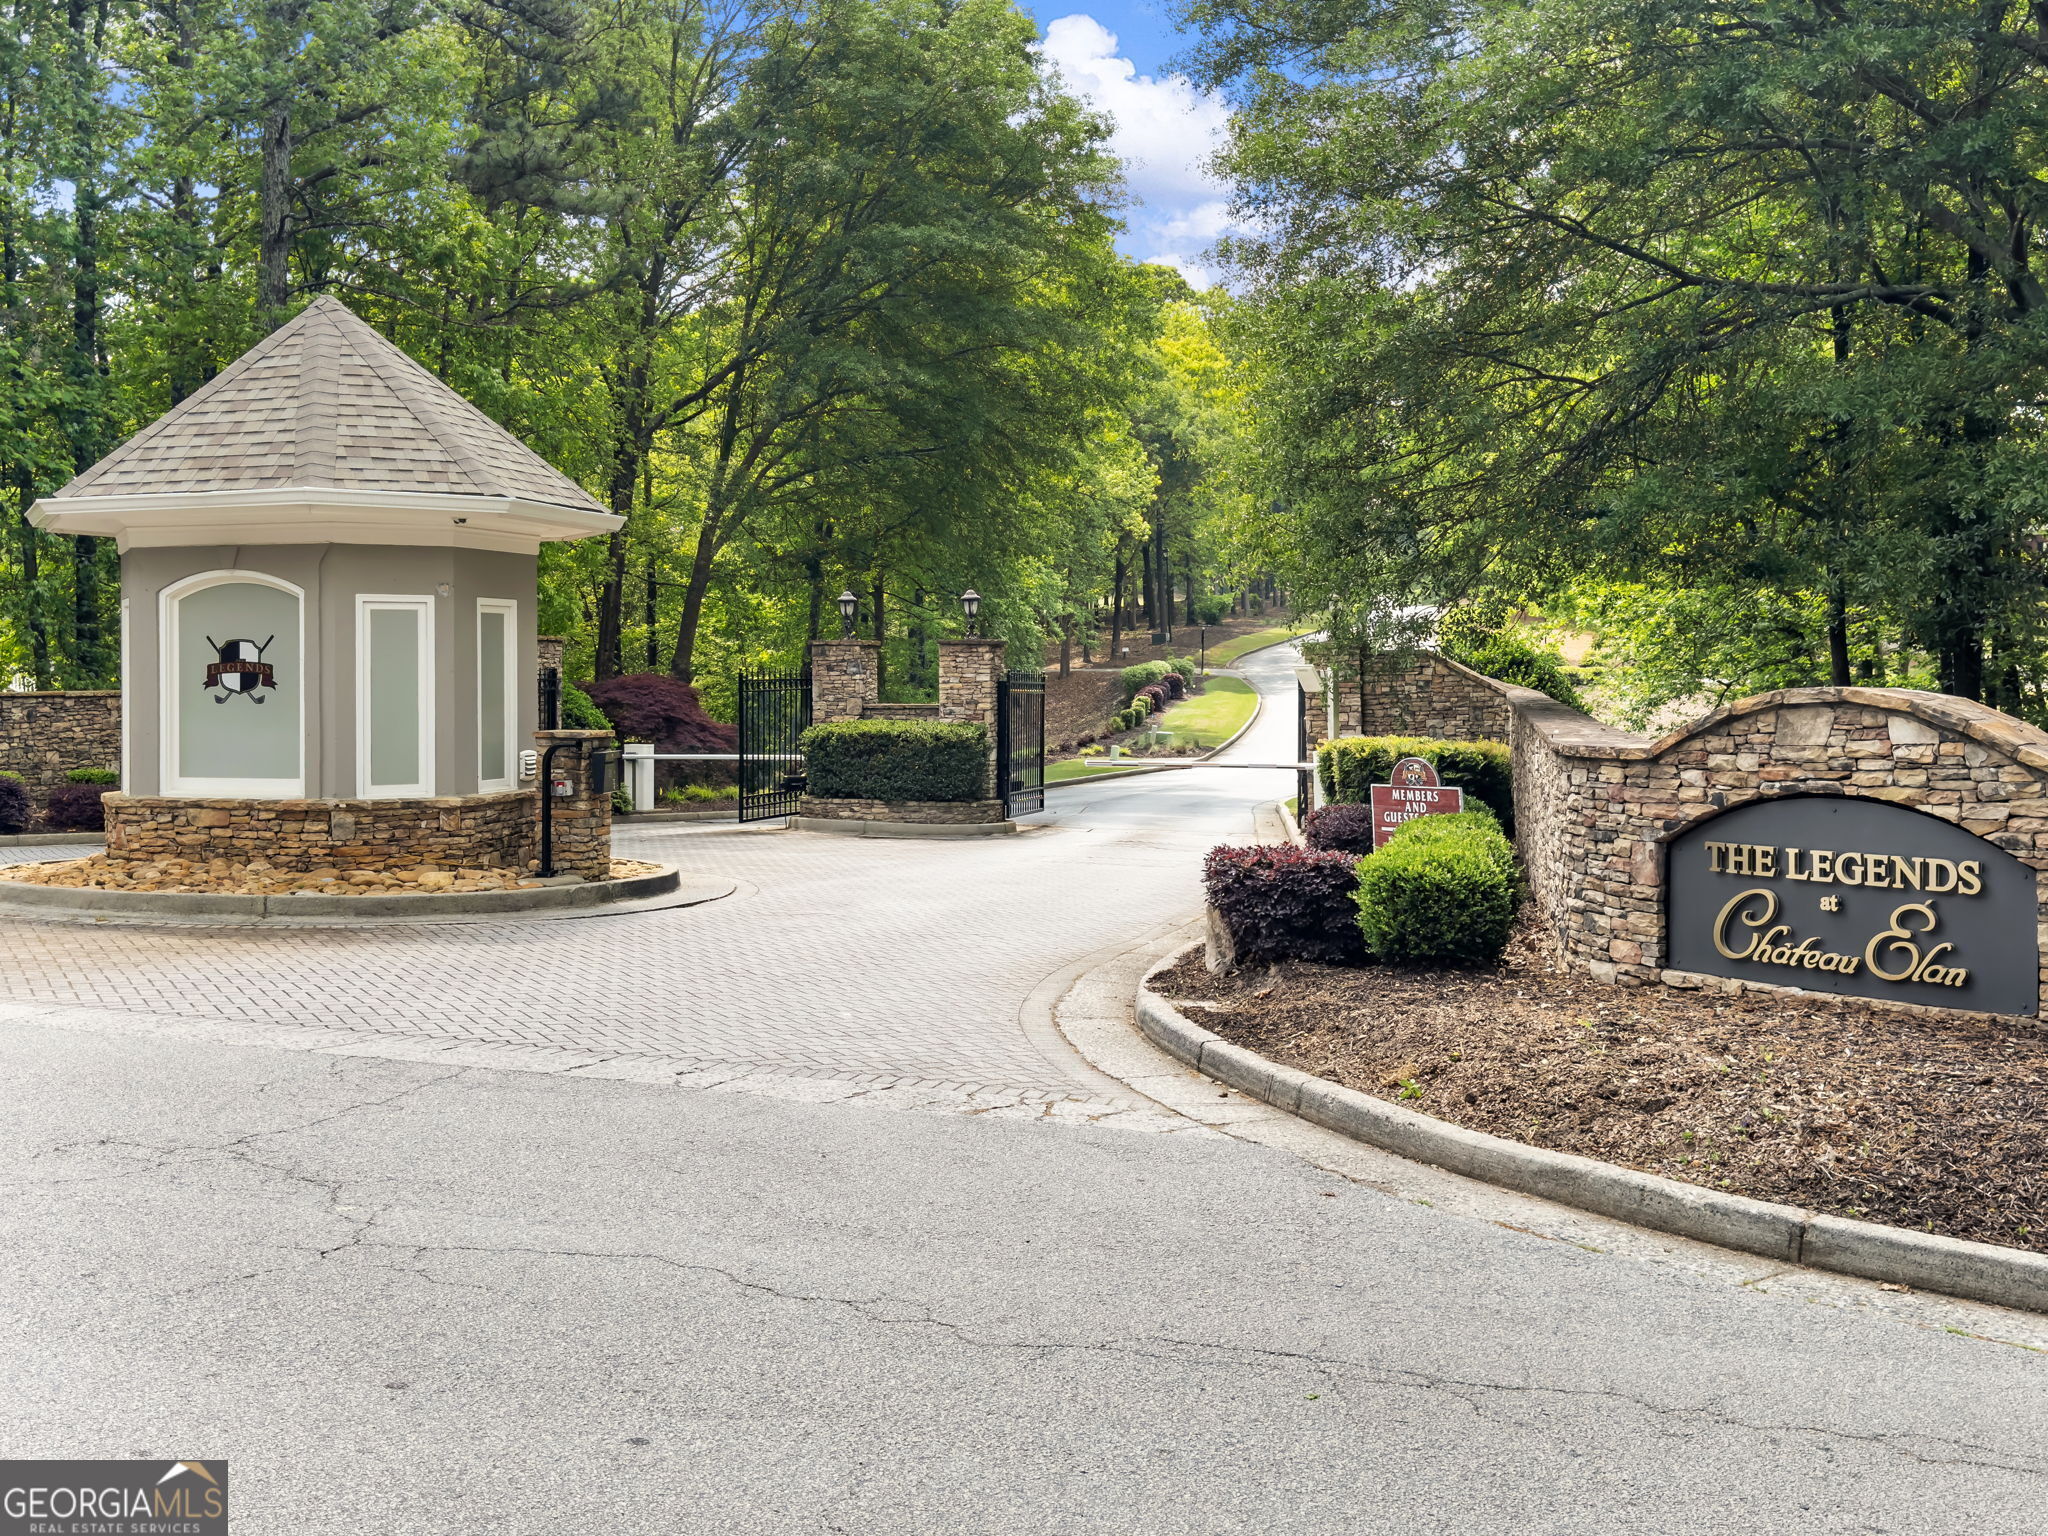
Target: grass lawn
<point x="1077" y="768"/>
<point x="1223" y="655"/>
<point x="1213" y="716"/>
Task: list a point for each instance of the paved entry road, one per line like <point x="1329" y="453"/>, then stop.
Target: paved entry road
<point x="869" y="960"/>
<point x="267" y="1197"/>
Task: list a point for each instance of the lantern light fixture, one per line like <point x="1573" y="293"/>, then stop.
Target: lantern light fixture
<point x="970" y="604"/>
<point x="848" y="606"/>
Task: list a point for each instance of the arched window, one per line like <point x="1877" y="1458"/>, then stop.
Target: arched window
<point x="233" y="652"/>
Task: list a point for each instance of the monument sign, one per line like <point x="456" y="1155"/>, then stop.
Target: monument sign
<point x="1414" y="792"/>
<point x="1854" y="896"/>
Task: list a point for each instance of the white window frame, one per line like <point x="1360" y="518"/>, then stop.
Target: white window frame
<point x="510" y="609"/>
<point x="422" y="604"/>
<point x="128" y="696"/>
<point x="171" y="668"/>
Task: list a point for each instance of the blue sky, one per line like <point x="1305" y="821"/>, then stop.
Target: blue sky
<point x="1116" y="56"/>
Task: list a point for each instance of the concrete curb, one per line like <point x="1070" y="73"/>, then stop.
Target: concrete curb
<point x="2005" y="1277"/>
<point x="851" y="828"/>
<point x="62" y="902"/>
<point x="38" y="839"/>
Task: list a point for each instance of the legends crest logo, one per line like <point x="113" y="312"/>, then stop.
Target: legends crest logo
<point x="241" y="669"/>
<point x="113" y="1498"/>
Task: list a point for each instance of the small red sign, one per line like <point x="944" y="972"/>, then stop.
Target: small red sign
<point x="1414" y="792"/>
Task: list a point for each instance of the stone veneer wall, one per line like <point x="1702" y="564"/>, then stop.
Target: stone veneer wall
<point x="43" y="736"/>
<point x="449" y="832"/>
<point x="927" y="812"/>
<point x="499" y="831"/>
<point x="1425" y="695"/>
<point x="1594" y="806"/>
<point x="582" y="820"/>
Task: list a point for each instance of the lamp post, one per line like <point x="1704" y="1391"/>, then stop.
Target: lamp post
<point x="970" y="604"/>
<point x="848" y="606"/>
<point x="1205" y="650"/>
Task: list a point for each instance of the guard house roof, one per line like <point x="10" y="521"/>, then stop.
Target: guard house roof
<point x="324" y="432"/>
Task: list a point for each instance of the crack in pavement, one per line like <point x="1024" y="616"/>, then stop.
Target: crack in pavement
<point x="1334" y="1370"/>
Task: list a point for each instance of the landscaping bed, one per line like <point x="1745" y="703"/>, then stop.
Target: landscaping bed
<point x="1878" y="1114"/>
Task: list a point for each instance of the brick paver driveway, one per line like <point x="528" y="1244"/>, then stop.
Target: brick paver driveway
<point x="861" y="959"/>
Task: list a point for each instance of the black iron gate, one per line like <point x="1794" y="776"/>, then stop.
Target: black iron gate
<point x="1020" y="742"/>
<point x="1304" y="779"/>
<point x="774" y="712"/>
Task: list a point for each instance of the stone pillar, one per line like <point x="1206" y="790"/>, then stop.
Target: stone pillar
<point x="970" y="670"/>
<point x="582" y="820"/>
<point x="549" y="650"/>
<point x="845" y="678"/>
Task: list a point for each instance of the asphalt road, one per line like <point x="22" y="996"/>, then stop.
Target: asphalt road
<point x="423" y="1295"/>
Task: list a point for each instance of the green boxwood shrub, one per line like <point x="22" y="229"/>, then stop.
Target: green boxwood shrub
<point x="897" y="760"/>
<point x="92" y="776"/>
<point x="1137" y="677"/>
<point x="1350" y="765"/>
<point x="579" y="711"/>
<point x="1445" y="889"/>
<point x="1185" y="666"/>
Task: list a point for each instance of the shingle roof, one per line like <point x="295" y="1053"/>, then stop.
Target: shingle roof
<point x="325" y="402"/>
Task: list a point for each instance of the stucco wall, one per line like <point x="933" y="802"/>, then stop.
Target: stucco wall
<point x="332" y="576"/>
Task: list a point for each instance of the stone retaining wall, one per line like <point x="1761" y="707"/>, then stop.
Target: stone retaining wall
<point x="927" y="812"/>
<point x="1595" y="806"/>
<point x="1424" y="695"/>
<point x="448" y="832"/>
<point x="43" y="736"/>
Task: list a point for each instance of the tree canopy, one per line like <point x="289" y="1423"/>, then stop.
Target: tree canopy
<point x="1600" y="303"/>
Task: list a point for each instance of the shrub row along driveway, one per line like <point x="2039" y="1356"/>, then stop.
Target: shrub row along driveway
<point x="422" y="1297"/>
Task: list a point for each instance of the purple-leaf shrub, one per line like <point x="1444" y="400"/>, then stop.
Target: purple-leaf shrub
<point x="14" y="805"/>
<point x="651" y="706"/>
<point x="77" y="808"/>
<point x="1340" y="829"/>
<point x="1287" y="903"/>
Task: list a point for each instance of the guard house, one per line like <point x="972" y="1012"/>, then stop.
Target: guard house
<point x="328" y="564"/>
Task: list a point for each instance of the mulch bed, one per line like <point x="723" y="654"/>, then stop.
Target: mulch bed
<point x="1889" y="1116"/>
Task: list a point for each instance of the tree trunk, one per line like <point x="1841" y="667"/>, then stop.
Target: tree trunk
<point x="1066" y="645"/>
<point x="1116" y="607"/>
<point x="1838" y="635"/>
<point x="683" y="665"/>
<point x="653" y="615"/>
<point x="274" y="239"/>
<point x="1148" y="595"/>
<point x="881" y="638"/>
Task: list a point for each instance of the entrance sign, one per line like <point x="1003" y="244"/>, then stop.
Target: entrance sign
<point x="1859" y="897"/>
<point x="1414" y="792"/>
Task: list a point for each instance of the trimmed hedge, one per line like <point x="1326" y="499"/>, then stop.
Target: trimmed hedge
<point x="14" y="806"/>
<point x="76" y="807"/>
<point x="1444" y="889"/>
<point x="1349" y="765"/>
<point x="106" y="776"/>
<point x="897" y="760"/>
<point x="1286" y="903"/>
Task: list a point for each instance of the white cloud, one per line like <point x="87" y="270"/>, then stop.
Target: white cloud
<point x="1165" y="133"/>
